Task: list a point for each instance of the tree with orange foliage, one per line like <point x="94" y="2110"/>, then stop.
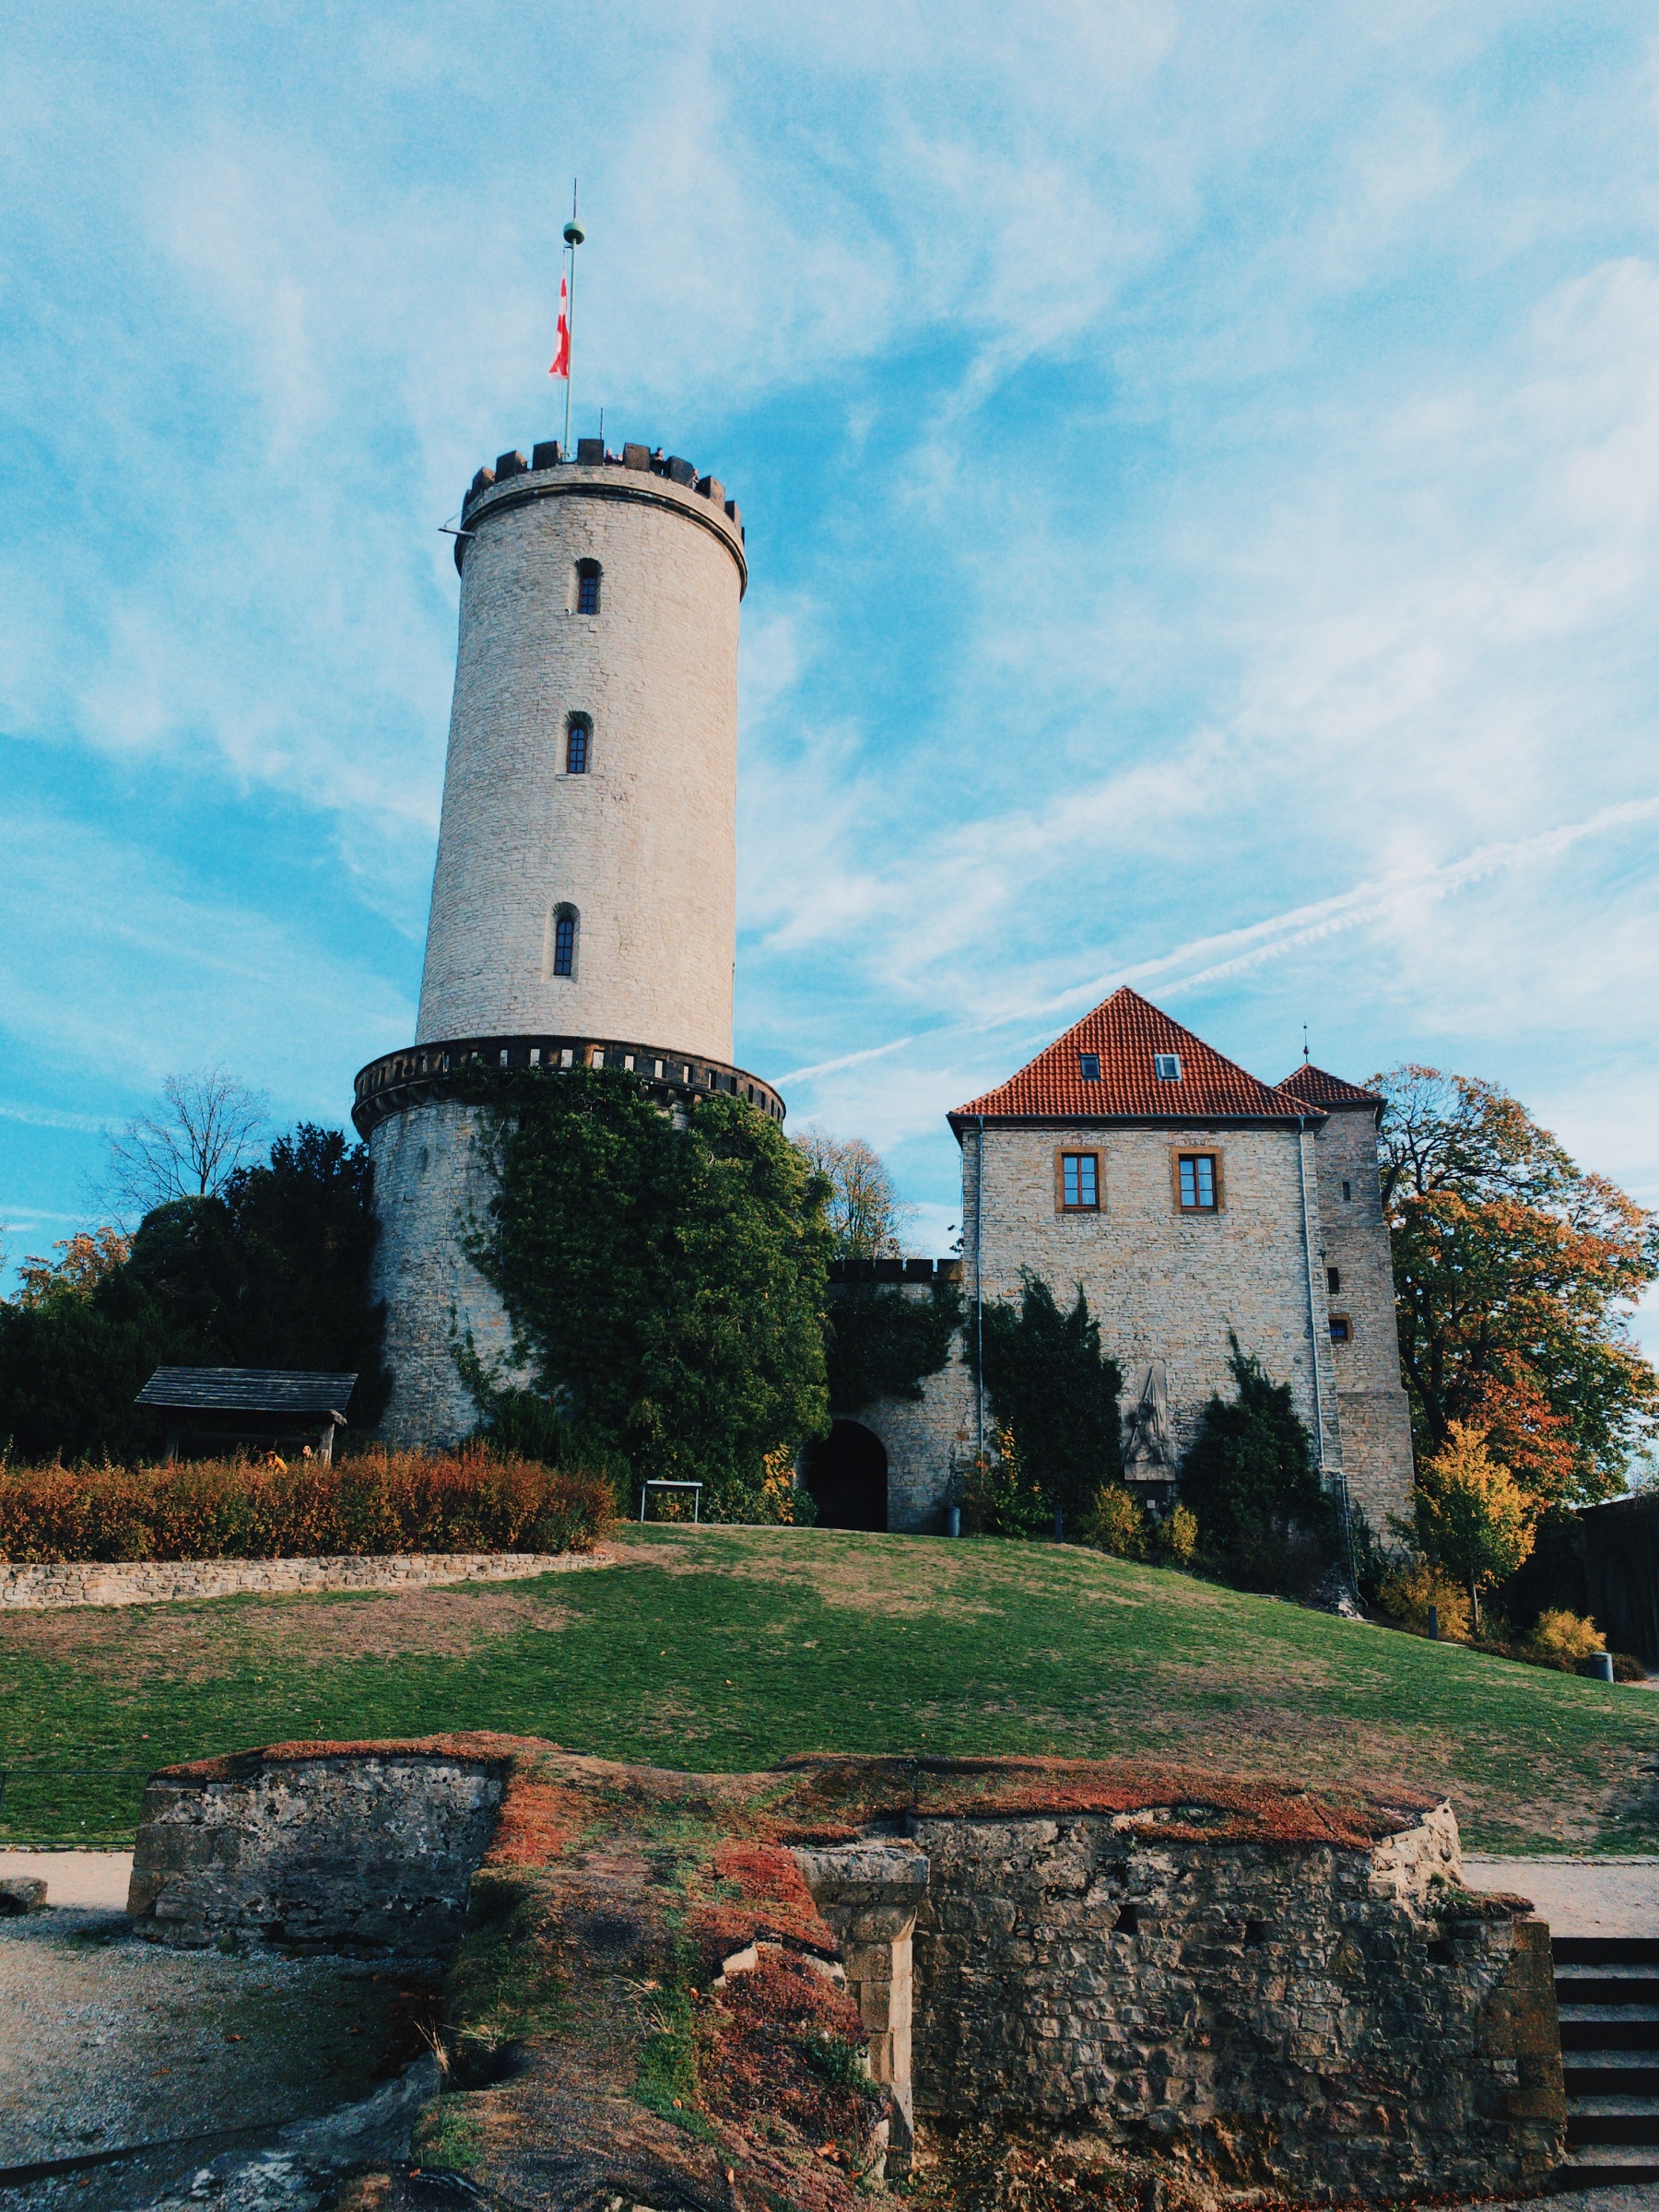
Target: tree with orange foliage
<point x="1515" y="1272"/>
<point x="88" y="1256"/>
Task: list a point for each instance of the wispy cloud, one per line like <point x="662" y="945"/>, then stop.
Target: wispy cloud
<point x="1202" y="475"/>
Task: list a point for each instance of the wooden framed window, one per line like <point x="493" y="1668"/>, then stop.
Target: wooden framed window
<point x="588" y="573"/>
<point x="1077" y="1183"/>
<point x="1197" y="1179"/>
<point x="579" y="739"/>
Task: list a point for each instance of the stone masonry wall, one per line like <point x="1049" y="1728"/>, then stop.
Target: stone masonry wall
<point x="1376" y="1418"/>
<point x="168" y="1582"/>
<point x="924" y="1438"/>
<point x="343" y="1851"/>
<point x="1166" y="1286"/>
<point x="643" y="845"/>
<point x="430" y="1177"/>
<point x="1300" y="2017"/>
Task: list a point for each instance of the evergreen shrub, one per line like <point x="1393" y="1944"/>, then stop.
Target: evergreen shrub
<point x="375" y="1501"/>
<point x="1250" y="1479"/>
<point x="1055" y="1392"/>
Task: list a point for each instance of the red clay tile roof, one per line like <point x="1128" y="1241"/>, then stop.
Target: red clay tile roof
<point x="1124" y="1033"/>
<point x="1314" y="1088"/>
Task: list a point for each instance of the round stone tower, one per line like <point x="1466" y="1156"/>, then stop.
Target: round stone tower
<point x="583" y="905"/>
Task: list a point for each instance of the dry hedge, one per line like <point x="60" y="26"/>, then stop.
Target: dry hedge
<point x="377" y="1501"/>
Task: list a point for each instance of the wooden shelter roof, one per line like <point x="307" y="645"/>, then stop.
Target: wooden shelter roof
<point x="262" y="1390"/>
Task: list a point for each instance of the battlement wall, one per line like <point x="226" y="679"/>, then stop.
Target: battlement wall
<point x="637" y="471"/>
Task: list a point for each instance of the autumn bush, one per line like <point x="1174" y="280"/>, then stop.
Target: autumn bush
<point x="1562" y="1636"/>
<point x="379" y="1502"/>
<point x="1116" y="1523"/>
<point x="1410" y="1587"/>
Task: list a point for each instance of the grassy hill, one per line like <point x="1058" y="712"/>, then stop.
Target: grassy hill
<point x="725" y="1648"/>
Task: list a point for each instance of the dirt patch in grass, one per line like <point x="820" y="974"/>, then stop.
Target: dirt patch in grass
<point x="868" y="1580"/>
<point x="195" y="1644"/>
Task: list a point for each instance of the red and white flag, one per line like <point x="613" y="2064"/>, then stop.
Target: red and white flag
<point x="562" y="347"/>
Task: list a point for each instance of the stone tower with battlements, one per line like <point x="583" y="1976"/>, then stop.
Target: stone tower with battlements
<point x="583" y="903"/>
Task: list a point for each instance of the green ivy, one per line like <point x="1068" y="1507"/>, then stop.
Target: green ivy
<point x="881" y="1343"/>
<point x="1050" y="1384"/>
<point x="665" y="1276"/>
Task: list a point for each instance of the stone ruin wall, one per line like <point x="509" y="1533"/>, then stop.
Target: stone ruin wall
<point x="345" y="1851"/>
<point x="1323" y="2020"/>
<point x="1300" y="2016"/>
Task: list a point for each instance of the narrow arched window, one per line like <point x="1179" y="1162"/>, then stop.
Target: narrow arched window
<point x="562" y="941"/>
<point x="579" y="740"/>
<point x="587" y="587"/>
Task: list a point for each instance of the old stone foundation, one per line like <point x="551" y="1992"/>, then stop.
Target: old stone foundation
<point x="1248" y="1986"/>
<point x="354" y="1851"/>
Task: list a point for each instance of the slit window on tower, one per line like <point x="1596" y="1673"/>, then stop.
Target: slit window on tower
<point x="564" y="940"/>
<point x="579" y="740"/>
<point x="587" y="587"/>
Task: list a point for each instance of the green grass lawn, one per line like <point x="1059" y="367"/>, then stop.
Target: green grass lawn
<point x="723" y="1649"/>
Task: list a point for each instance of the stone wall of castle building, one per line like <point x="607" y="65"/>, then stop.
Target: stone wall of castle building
<point x="925" y="1438"/>
<point x="1371" y="1400"/>
<point x="1166" y="1284"/>
<point x="430" y="1178"/>
<point x="642" y="845"/>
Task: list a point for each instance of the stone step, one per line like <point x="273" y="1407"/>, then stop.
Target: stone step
<point x="1612" y="2074"/>
<point x="1607" y="1985"/>
<point x="1621" y="2119"/>
<point x="1609" y="2026"/>
<point x="1605" y="1950"/>
<point x="1609" y="2168"/>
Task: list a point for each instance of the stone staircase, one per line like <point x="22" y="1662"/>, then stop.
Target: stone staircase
<point x="1607" y="1992"/>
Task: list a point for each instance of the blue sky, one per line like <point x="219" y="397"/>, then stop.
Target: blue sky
<point x="1201" y="466"/>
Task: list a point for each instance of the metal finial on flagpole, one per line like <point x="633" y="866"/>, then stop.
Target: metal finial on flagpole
<point x="573" y="235"/>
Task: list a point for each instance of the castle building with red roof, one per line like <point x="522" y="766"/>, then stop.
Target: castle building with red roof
<point x="1193" y="1204"/>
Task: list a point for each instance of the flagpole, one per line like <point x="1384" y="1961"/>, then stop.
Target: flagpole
<point x="573" y="235"/>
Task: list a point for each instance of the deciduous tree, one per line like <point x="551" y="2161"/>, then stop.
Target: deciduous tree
<point x="1472" y="1515"/>
<point x="1514" y="1273"/>
<point x="864" y="1211"/>
<point x="207" y="1126"/>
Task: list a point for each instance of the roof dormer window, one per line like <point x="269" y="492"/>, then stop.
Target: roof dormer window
<point x="1166" y="1066"/>
<point x="1088" y="1067"/>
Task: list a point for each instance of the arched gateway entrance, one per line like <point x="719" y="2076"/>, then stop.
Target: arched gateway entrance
<point x="846" y="1473"/>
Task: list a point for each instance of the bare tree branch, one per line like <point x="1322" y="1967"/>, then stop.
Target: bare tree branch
<point x="209" y="1126"/>
<point x="864" y="1210"/>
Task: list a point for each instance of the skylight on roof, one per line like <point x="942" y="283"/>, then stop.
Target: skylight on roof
<point x="1088" y="1067"/>
<point x="1166" y="1066"/>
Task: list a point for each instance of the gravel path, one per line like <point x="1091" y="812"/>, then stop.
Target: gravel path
<point x="107" y="2041"/>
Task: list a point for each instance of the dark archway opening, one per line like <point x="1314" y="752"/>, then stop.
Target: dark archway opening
<point x="846" y="1471"/>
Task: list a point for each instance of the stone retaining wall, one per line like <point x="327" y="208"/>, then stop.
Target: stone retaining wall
<point x="338" y="1851"/>
<point x="164" y="1581"/>
<point x="1325" y="2021"/>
